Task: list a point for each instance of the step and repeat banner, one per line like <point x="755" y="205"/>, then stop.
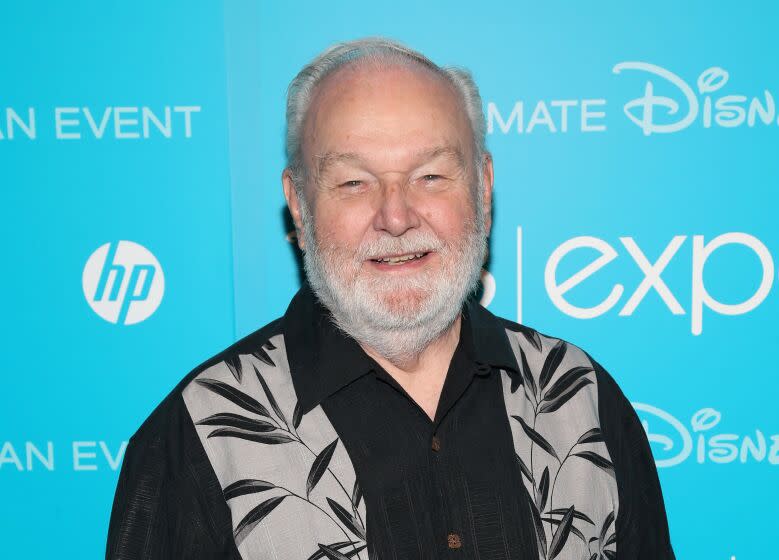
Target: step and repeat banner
<point x="637" y="166"/>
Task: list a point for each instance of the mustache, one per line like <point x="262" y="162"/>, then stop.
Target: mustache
<point x="418" y="242"/>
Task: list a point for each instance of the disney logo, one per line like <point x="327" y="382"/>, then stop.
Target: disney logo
<point x="727" y="111"/>
<point x="676" y="440"/>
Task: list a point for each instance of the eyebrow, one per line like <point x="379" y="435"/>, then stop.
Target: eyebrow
<point x="328" y="159"/>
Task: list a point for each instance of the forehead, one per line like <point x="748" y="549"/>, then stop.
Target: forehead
<point x="387" y="113"/>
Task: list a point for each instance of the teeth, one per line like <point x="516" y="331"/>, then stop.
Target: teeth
<point x="397" y="260"/>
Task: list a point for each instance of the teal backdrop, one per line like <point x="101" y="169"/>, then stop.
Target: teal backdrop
<point x="142" y="218"/>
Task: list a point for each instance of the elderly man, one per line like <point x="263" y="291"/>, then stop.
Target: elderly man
<point x="387" y="414"/>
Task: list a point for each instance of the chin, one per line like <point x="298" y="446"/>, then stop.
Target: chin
<point x="408" y="303"/>
<point x="403" y="299"/>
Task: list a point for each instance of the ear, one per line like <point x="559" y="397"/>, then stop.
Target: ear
<point x="291" y="194"/>
<point x="488" y="178"/>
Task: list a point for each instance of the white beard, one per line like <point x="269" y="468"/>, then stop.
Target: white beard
<point x="396" y="317"/>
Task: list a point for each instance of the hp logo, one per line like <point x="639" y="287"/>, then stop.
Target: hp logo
<point x="123" y="282"/>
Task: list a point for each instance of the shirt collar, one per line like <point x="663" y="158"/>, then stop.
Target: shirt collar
<point x="323" y="359"/>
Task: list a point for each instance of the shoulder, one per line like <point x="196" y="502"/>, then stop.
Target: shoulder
<point x="549" y="347"/>
<point x="553" y="358"/>
<point x="167" y="483"/>
<point x="560" y="370"/>
<point x="170" y="415"/>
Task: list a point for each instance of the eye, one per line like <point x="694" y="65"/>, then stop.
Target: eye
<point x="431" y="177"/>
<point x="352" y="183"/>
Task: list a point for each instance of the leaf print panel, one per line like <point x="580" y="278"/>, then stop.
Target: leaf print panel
<point x="279" y="469"/>
<point x="346" y="518"/>
<point x="574" y="530"/>
<point x="234" y="365"/>
<point x="576" y="514"/>
<point x="251" y="436"/>
<point x="543" y="490"/>
<point x="537" y="438"/>
<point x="525" y="470"/>
<point x="263" y="356"/>
<point x="561" y="534"/>
<point x="565" y="396"/>
<point x="561" y="455"/>
<point x="237" y="421"/>
<point x="551" y="363"/>
<point x="591" y="436"/>
<point x="333" y="554"/>
<point x="356" y="495"/>
<point x="269" y="396"/>
<point x="565" y="381"/>
<point x="539" y="527"/>
<point x="242" y="487"/>
<point x="532" y="337"/>
<point x="528" y="379"/>
<point x="606" y="525"/>
<point x="297" y="416"/>
<point x="319" y="466"/>
<point x="596" y="459"/>
<point x="335" y="547"/>
<point x="234" y="395"/>
<point x="254" y="517"/>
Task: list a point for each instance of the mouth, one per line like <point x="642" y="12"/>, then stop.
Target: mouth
<point x="397" y="260"/>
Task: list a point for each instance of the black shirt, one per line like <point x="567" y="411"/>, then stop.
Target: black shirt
<point x="294" y="443"/>
<point x="432" y="488"/>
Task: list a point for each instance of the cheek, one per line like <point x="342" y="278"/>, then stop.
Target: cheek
<point x="449" y="218"/>
<point x="339" y="228"/>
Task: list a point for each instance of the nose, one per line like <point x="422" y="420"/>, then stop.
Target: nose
<point x="396" y="214"/>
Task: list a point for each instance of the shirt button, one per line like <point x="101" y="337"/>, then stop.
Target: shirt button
<point x="453" y="540"/>
<point x="435" y="444"/>
<point x="482" y="368"/>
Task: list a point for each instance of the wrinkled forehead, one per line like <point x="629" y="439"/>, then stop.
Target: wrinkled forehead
<point x="325" y="161"/>
<point x="387" y="111"/>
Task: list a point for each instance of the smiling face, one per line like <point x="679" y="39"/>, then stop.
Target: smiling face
<point x="392" y="230"/>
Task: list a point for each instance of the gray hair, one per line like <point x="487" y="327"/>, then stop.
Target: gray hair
<point x="378" y="50"/>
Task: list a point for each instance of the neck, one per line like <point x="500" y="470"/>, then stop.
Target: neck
<point x="434" y="357"/>
<point x="422" y="376"/>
